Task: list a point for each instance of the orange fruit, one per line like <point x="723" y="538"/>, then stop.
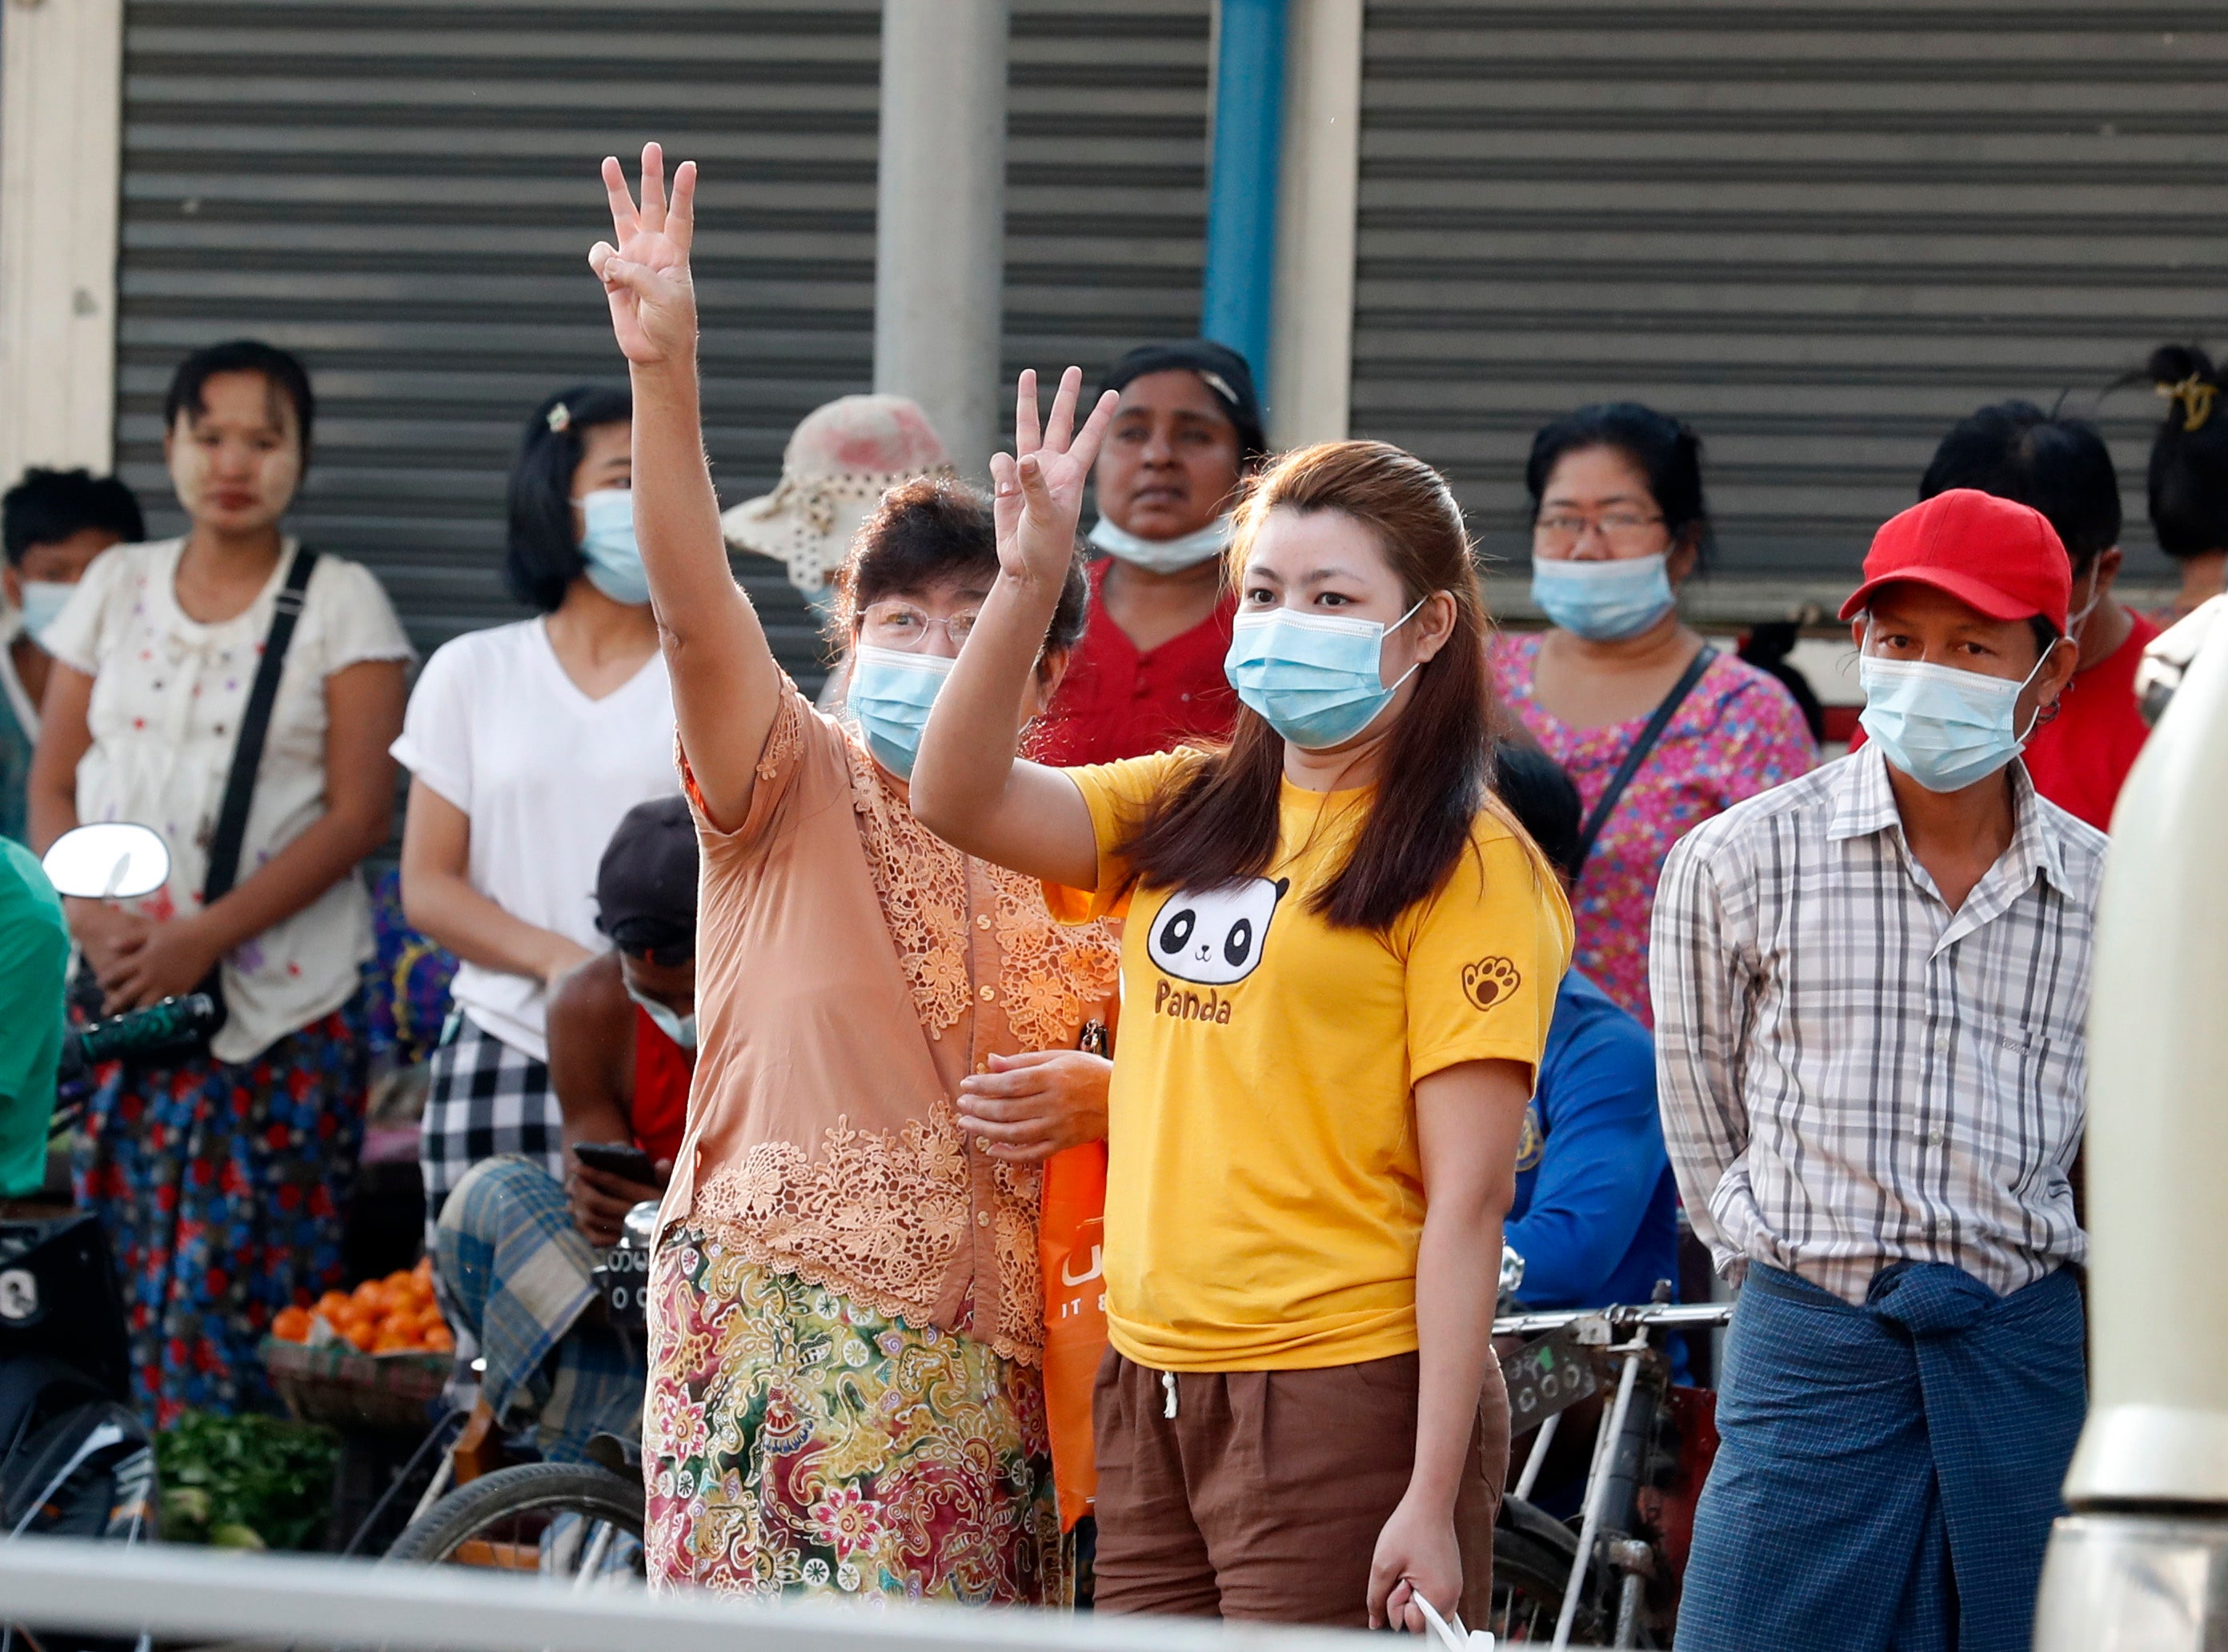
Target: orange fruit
<point x="291" y="1325"/>
<point x="398" y="1280"/>
<point x="331" y="1300"/>
<point x="424" y="1269"/>
<point x="361" y="1336"/>
<point x="439" y="1341"/>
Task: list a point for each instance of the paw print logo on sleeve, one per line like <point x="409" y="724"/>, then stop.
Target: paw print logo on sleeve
<point x="1490" y="981"/>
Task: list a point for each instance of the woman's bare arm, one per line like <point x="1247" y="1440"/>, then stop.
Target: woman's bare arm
<point x="101" y="927"/>
<point x="726" y="689"/>
<point x="967" y="786"/>
<point x="65" y="736"/>
<point x="440" y="901"/>
<point x="1469" y="1118"/>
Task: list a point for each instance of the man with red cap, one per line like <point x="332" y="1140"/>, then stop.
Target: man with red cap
<point x="1869" y="988"/>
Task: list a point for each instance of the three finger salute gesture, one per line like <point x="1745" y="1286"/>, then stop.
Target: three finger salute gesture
<point x="646" y="275"/>
<point x="1040" y="485"/>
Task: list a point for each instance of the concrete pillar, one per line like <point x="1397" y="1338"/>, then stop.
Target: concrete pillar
<point x="1311" y="353"/>
<point x="60" y="156"/>
<point x="940" y="219"/>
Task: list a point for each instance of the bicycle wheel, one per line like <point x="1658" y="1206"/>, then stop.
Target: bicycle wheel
<point x="557" y="1518"/>
<point x="1528" y="1578"/>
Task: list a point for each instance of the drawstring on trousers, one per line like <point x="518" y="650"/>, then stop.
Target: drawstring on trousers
<point x="1168" y="1387"/>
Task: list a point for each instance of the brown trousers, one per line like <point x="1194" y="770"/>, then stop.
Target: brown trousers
<point x="1264" y="1495"/>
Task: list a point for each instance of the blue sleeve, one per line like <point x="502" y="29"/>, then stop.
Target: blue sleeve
<point x="1599" y="1165"/>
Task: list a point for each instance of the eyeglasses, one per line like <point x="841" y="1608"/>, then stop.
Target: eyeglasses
<point x="900" y="625"/>
<point x="1620" y="530"/>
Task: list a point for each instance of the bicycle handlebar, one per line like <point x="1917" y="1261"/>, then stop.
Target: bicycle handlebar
<point x="1638" y="1316"/>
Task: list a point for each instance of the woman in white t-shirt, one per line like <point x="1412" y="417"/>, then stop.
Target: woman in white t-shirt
<point x="222" y="1178"/>
<point x="526" y="744"/>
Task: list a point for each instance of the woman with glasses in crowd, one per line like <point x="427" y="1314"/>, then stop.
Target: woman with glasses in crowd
<point x="1619" y="524"/>
<point x="846" y="1317"/>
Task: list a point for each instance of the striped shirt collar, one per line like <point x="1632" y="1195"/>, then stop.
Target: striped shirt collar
<point x="1864" y="803"/>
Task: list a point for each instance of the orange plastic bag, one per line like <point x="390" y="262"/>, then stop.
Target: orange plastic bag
<point x="1070" y="1233"/>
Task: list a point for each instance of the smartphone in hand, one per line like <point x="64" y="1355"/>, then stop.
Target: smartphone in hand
<point x="621" y="1159"/>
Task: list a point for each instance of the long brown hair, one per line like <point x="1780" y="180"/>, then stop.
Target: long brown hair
<point x="1218" y="822"/>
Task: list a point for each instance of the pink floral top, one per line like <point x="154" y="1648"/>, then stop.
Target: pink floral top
<point x="1739" y="732"/>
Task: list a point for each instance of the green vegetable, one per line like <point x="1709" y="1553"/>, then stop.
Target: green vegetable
<point x="246" y="1483"/>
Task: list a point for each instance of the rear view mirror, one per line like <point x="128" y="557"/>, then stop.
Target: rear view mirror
<point x="111" y="860"/>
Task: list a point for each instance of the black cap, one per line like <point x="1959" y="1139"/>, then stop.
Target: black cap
<point x="646" y="884"/>
<point x="1222" y="369"/>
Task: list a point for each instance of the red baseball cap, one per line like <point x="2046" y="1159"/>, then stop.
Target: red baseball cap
<point x="2002" y="558"/>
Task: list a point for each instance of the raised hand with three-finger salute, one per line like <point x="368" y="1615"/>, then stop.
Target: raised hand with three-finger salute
<point x="646" y="276"/>
<point x="1040" y="485"/>
<point x="972" y="793"/>
<point x="726" y="687"/>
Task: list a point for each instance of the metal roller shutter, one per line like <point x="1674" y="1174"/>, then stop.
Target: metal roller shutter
<point x="404" y="193"/>
<point x="1106" y="178"/>
<point x="1819" y="232"/>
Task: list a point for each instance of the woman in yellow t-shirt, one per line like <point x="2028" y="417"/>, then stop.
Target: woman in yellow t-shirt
<point x="1338" y="970"/>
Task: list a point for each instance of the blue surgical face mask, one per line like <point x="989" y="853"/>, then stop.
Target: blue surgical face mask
<point x="681" y="1029"/>
<point x="890" y="694"/>
<point x="614" y="560"/>
<point x="43" y="602"/>
<point x="1162" y="555"/>
<point x="1317" y="678"/>
<point x="1944" y="727"/>
<point x="1603" y="601"/>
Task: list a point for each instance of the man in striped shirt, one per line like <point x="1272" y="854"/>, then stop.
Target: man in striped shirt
<point x="1870" y="986"/>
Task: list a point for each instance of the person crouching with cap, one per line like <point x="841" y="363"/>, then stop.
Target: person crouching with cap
<point x="1147" y="675"/>
<point x="622" y="1025"/>
<point x="516" y="1253"/>
<point x="1870" y="988"/>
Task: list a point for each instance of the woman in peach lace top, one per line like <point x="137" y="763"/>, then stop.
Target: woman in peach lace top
<point x="846" y="1316"/>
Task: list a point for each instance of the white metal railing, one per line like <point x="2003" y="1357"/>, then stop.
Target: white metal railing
<point x="105" y="1588"/>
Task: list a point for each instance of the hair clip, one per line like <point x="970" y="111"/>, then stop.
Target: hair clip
<point x="561" y="419"/>
<point x="2196" y="398"/>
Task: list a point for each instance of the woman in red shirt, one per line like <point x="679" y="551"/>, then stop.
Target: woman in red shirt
<point x="1148" y="673"/>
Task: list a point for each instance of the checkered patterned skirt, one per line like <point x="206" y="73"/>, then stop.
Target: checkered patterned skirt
<point x="484" y="1097"/>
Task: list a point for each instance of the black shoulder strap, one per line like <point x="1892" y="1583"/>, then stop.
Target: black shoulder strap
<point x="231" y="831"/>
<point x="1658" y="722"/>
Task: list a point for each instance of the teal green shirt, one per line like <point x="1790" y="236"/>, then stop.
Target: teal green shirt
<point x="35" y="946"/>
<point x="16" y="747"/>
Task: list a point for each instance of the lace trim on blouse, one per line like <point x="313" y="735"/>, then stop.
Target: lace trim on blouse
<point x="880" y="1216"/>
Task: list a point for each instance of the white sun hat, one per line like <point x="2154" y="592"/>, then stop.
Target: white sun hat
<point x="841" y="459"/>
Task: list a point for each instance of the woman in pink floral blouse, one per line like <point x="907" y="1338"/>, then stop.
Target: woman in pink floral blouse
<point x="1619" y="523"/>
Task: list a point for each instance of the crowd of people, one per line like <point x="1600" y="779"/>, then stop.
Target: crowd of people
<point x="1224" y="856"/>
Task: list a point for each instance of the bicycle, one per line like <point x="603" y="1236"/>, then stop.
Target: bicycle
<point x="1613" y="1581"/>
<point x="582" y="1521"/>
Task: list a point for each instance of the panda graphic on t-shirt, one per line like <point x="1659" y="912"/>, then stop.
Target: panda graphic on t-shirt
<point x="1214" y="937"/>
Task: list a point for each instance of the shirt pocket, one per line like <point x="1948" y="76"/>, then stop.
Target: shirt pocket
<point x="2020" y="1115"/>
